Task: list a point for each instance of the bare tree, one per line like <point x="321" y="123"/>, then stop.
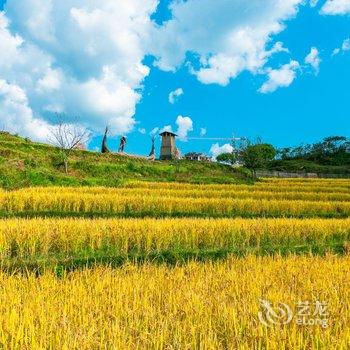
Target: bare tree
<point x="67" y="137"/>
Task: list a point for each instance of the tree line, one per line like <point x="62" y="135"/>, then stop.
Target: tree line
<point x="332" y="150"/>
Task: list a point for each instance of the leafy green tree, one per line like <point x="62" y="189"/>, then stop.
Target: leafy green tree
<point x="258" y="156"/>
<point x="229" y="158"/>
<point x="333" y="150"/>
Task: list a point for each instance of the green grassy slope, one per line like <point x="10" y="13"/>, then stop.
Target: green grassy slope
<point x="25" y="163"/>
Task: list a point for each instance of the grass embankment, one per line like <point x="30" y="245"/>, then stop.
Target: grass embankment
<point x="24" y="163"/>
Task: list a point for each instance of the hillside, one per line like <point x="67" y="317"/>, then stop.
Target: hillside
<point x="26" y="163"/>
<point x="307" y="166"/>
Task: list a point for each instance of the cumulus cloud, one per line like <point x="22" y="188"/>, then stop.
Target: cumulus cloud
<point x="282" y="77"/>
<point x="166" y="128"/>
<point x="313" y="59"/>
<point x="227" y="36"/>
<point x="184" y="126"/>
<point x="174" y="95"/>
<point x="336" y="7"/>
<point x="76" y="57"/>
<point x="216" y="149"/>
<point x="345" y="47"/>
<point x="14" y="103"/>
<point x="86" y="58"/>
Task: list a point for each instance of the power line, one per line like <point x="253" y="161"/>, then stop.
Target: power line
<point x="217" y="138"/>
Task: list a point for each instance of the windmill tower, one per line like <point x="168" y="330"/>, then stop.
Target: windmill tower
<point x="168" y="149"/>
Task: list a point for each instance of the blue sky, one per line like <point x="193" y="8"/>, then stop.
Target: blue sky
<point x="278" y="97"/>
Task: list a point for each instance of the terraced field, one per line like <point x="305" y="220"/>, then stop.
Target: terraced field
<point x="176" y="266"/>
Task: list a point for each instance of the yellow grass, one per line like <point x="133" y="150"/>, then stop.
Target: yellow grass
<point x="196" y="306"/>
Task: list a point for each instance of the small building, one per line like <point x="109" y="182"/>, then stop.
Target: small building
<point x="199" y="157"/>
<point x="168" y="149"/>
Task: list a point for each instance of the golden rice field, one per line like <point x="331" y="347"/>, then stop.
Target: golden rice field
<point x="176" y="266"/>
<point x="185" y="200"/>
<point x="196" y="306"/>
<point x="42" y="236"/>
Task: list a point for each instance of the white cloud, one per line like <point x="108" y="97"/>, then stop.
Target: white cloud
<point x="9" y="45"/>
<point x="336" y="7"/>
<point x="203" y="132"/>
<point x="282" y="77"/>
<point x="313" y="59"/>
<point x="313" y="3"/>
<point x="82" y="58"/>
<point x="51" y="81"/>
<point x="216" y="149"/>
<point x="142" y="131"/>
<point x="345" y="47"/>
<point x="85" y="58"/>
<point x="166" y="128"/>
<point x="174" y="95"/>
<point x="184" y="126"/>
<point x="336" y="51"/>
<point x="16" y="116"/>
<point x="227" y="36"/>
<point x="154" y="131"/>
